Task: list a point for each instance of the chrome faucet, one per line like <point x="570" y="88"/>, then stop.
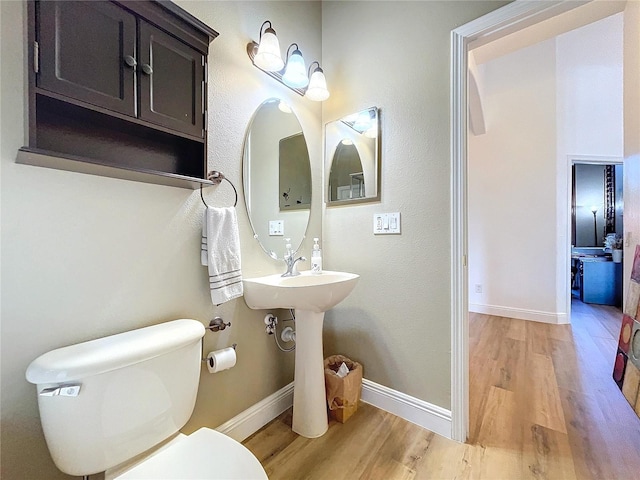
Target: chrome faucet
<point x="290" y="260"/>
<point x="292" y="271"/>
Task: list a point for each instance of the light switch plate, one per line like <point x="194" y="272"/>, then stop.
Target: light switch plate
<point x="276" y="228"/>
<point x="386" y="223"/>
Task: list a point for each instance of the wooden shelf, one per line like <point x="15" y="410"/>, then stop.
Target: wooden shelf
<point x="72" y="163"/>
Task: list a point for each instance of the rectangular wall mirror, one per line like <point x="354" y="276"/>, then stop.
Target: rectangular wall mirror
<point x="352" y="158"/>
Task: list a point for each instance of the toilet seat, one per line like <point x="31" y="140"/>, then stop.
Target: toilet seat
<point x="205" y="454"/>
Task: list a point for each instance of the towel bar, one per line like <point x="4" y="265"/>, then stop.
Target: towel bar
<point x="217" y="177"/>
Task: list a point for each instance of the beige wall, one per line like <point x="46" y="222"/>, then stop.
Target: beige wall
<point x="85" y="256"/>
<point x="397" y="322"/>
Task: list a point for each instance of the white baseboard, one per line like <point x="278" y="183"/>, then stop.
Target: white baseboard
<point x="414" y="410"/>
<point x="251" y="420"/>
<point x="519" y="313"/>
<point x="424" y="414"/>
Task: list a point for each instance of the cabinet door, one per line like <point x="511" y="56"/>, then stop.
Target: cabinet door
<point x="171" y="82"/>
<point x="84" y="50"/>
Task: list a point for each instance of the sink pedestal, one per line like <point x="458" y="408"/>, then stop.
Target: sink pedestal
<point x="309" y="398"/>
<point x="310" y="295"/>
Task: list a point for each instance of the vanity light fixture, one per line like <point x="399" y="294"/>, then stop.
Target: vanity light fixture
<point x="317" y="90"/>
<point x="266" y="56"/>
<point x="295" y="71"/>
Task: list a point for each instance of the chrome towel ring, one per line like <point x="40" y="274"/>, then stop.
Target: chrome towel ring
<point x="217" y="177"/>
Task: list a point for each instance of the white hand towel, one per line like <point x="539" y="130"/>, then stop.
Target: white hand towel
<point x="204" y="260"/>
<point x="223" y="254"/>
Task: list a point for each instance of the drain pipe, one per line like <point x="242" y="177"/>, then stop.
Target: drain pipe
<point x="288" y="335"/>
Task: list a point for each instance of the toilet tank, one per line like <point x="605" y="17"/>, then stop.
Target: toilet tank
<point x="107" y="400"/>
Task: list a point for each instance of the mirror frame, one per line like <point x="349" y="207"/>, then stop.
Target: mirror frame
<point x="296" y="243"/>
<point x="328" y="163"/>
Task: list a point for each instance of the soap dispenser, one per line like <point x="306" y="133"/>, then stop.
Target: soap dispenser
<point x="316" y="258"/>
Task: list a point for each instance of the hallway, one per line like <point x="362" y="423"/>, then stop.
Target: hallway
<point x="546" y="392"/>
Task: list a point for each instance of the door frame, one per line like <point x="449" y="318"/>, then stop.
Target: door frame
<point x="497" y="24"/>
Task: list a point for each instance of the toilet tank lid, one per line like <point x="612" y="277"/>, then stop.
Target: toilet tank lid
<point x="102" y="355"/>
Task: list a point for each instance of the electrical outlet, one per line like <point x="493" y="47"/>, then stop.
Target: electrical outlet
<point x="478" y="288"/>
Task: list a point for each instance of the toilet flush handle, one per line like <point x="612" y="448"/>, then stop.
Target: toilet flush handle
<point x="62" y="391"/>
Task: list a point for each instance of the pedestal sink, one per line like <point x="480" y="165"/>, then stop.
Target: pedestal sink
<point x="310" y="295"/>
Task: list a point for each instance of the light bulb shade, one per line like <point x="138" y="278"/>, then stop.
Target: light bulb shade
<point x="363" y="122"/>
<point x="283" y="107"/>
<point x="371" y="132"/>
<point x="317" y="90"/>
<point x="295" y="73"/>
<point x="268" y="56"/>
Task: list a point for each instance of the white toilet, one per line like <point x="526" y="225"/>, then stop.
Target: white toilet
<point x="112" y="405"/>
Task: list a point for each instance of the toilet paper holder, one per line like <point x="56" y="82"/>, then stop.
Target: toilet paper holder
<point x="206" y="360"/>
<point x="218" y="324"/>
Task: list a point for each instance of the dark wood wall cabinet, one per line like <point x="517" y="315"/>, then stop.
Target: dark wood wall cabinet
<point x="118" y="88"/>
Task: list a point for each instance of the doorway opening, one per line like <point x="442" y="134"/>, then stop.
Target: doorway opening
<point x="596" y="230"/>
<point x="499" y="24"/>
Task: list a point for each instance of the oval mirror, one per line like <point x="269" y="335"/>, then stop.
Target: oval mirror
<point x="276" y="177"/>
<point x="353" y="158"/>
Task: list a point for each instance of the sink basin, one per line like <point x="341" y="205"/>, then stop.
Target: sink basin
<point x="310" y="296"/>
<point x="315" y="293"/>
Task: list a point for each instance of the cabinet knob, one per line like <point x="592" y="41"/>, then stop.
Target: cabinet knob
<point x="146" y="68"/>
<point x="130" y="61"/>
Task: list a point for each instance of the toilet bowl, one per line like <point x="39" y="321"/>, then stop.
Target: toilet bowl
<point x="116" y="404"/>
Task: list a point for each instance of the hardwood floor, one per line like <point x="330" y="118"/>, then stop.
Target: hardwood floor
<point x="543" y="405"/>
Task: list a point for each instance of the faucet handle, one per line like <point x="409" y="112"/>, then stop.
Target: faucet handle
<point x="291" y="265"/>
<point x="294" y="265"/>
<point x="288" y="251"/>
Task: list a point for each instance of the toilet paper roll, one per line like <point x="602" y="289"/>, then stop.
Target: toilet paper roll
<point x="221" y="359"/>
